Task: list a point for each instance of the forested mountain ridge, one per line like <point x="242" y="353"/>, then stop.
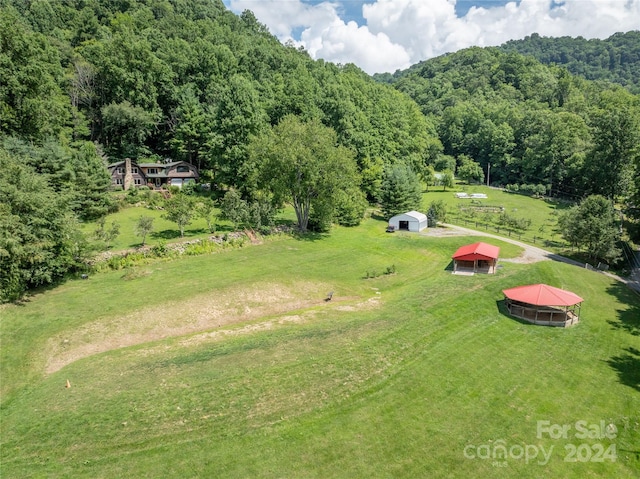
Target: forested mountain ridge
<point x="615" y="59"/>
<point x="186" y="79"/>
<point x="535" y="124"/>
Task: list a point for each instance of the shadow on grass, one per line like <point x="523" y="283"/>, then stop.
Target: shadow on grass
<point x="165" y="234"/>
<point x="309" y="235"/>
<point x="80" y="274"/>
<point x="378" y="217"/>
<point x="627" y="365"/>
<point x="449" y="267"/>
<point x="285" y="222"/>
<point x="188" y="233"/>
<point x="628" y="319"/>
<point x="501" y="305"/>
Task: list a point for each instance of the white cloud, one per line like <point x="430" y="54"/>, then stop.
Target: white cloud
<point x="399" y="33"/>
<point x="348" y="43"/>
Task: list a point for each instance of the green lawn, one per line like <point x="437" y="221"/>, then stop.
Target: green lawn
<point x="163" y="230"/>
<point x="542" y="213"/>
<point x="413" y="374"/>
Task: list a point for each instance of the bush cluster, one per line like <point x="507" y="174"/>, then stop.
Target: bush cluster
<point x="375" y="274"/>
<point x="167" y="251"/>
<point x="524" y="189"/>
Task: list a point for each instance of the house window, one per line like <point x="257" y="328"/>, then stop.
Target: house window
<point x="182" y="169"/>
<point x="118" y="181"/>
<point x="137" y="181"/>
<point x="120" y="170"/>
<point x="152" y="171"/>
<point x="134" y="170"/>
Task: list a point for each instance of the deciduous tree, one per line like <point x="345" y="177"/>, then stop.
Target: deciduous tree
<point x="469" y="170"/>
<point x="447" y="180"/>
<point x="179" y="210"/>
<point x="592" y="226"/>
<point x="437" y="212"/>
<point x="205" y="208"/>
<point x="299" y="162"/>
<point x="144" y="226"/>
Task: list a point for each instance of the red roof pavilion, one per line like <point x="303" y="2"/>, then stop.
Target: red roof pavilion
<point x="479" y="256"/>
<point x="544" y="304"/>
<point x="542" y="295"/>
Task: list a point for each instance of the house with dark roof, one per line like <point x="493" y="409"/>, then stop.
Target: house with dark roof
<point x="126" y="174"/>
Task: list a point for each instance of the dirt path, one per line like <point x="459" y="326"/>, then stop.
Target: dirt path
<point x="213" y="315"/>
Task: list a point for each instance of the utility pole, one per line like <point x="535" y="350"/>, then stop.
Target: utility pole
<point x="488" y="172"/>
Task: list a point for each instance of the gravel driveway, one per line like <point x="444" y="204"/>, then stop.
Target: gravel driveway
<point x="531" y="254"/>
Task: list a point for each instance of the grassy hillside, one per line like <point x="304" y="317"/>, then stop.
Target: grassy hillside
<point x="484" y="214"/>
<point x="233" y="365"/>
<point x="542" y="213"/>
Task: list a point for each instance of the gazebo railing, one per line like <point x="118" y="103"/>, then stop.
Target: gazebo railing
<point x="542" y="315"/>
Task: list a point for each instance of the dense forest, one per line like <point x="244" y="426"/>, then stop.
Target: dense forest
<point x="532" y="123"/>
<point x="616" y="59"/>
<point x="185" y="79"/>
<point x="85" y="83"/>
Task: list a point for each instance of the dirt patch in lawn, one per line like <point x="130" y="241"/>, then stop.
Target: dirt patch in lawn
<point x="201" y="313"/>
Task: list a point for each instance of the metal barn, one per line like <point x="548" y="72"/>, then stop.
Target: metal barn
<point x="410" y="221"/>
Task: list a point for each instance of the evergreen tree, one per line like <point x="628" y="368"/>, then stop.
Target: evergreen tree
<point x="401" y="191"/>
<point x="40" y="240"/>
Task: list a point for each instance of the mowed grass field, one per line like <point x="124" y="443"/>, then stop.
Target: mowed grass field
<point x="233" y="365"/>
<point x="543" y="213"/>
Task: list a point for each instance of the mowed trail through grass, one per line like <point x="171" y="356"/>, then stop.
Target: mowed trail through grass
<point x="393" y="378"/>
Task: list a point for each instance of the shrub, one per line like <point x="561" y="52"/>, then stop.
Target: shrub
<point x="160" y="250"/>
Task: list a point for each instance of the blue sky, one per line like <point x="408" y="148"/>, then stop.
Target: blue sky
<point x="386" y="35"/>
<point x="352" y="10"/>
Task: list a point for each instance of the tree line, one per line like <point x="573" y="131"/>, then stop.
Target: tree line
<point x="615" y="59"/>
<point x="187" y="79"/>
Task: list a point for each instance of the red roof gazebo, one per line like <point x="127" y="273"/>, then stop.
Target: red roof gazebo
<point x="543" y="304"/>
<point x="476" y="258"/>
